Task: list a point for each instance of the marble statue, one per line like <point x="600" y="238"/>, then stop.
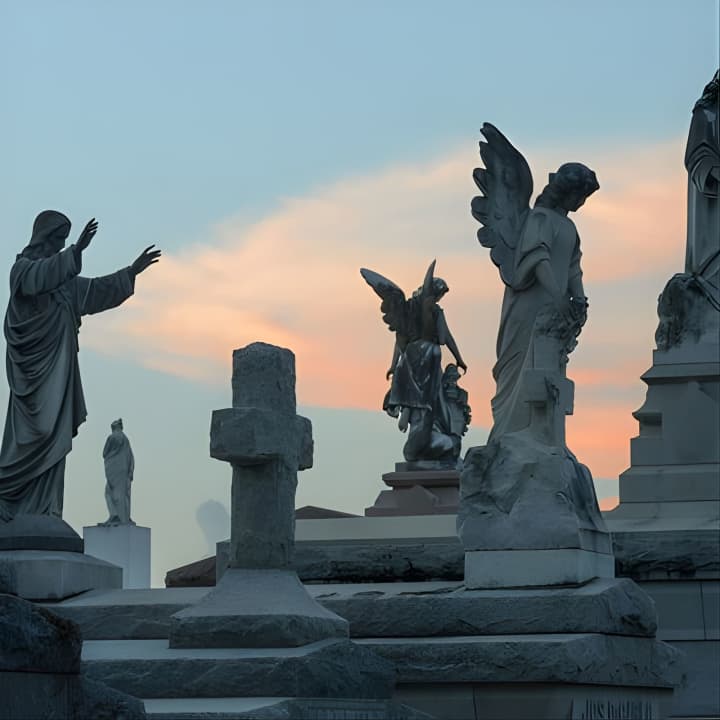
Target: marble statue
<point x="48" y="298"/>
<point x="424" y="400"/>
<point x="702" y="160"/>
<point x="689" y="304"/>
<point x="538" y="254"/>
<point x="525" y="489"/>
<point x="119" y="468"/>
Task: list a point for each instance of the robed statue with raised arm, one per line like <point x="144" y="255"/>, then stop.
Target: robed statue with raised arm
<point x="48" y="298"/>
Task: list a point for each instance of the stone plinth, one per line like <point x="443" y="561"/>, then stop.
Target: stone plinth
<point x="41" y="558"/>
<point x="127" y="546"/>
<point x="530" y="508"/>
<point x="258" y="609"/>
<point x="418" y="492"/>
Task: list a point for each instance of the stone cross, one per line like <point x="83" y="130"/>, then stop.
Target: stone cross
<point x="266" y="443"/>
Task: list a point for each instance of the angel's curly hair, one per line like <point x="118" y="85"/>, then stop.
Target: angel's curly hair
<point x="570" y="178"/>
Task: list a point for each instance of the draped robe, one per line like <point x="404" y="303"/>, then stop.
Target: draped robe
<point x="547" y="236"/>
<point x="46" y="406"/>
<point x="119" y="468"/>
<point x="702" y="160"/>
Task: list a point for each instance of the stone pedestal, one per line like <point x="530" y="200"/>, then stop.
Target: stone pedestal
<point x="127" y="546"/>
<point x="41" y="558"/>
<point x="417" y="490"/>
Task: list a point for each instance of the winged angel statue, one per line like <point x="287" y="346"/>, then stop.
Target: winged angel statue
<point x="424" y="398"/>
<point x="538" y="254"/>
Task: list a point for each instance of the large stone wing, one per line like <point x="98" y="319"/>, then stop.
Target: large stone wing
<point x="506" y="184"/>
<point x="393" y="305"/>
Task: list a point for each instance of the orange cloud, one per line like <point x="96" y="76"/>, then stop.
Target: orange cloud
<point x="292" y="278"/>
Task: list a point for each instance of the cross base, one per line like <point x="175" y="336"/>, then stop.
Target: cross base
<point x="255" y="609"/>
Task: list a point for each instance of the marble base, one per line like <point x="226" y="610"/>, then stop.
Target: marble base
<point x="535" y="568"/>
<point x="47" y="575"/>
<point x="127" y="546"/>
<point x="418" y="492"/>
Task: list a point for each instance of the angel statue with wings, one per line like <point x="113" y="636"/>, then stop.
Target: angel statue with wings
<point x="538" y="254"/>
<point x="425" y="399"/>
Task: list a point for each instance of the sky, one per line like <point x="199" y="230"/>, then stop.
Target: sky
<point x="273" y="148"/>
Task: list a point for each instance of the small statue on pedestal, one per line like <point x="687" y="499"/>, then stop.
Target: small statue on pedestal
<point x="424" y="399"/>
<point x="119" y="469"/>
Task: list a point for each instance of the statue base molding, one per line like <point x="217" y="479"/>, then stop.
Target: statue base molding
<point x="127" y="546"/>
<point x="535" y="568"/>
<point x="54" y="575"/>
<point x="418" y="492"/>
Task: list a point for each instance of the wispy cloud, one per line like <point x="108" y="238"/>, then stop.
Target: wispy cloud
<point x="291" y="278"/>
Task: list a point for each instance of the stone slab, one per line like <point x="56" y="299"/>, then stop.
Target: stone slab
<point x="39" y="532"/>
<point x="699" y="695"/>
<point x="279" y="709"/>
<point x="667" y="555"/>
<point x="62" y="696"/>
<point x="34" y="639"/>
<point x="54" y="575"/>
<point x="535" y="568"/>
<point x="670" y="483"/>
<point x="255" y="608"/>
<point x="710" y="591"/>
<point x="398" y="610"/>
<point x="127" y="546"/>
<point x="559" y="658"/>
<point x="149" y="669"/>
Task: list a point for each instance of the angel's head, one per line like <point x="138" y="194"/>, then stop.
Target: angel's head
<point x="568" y="188"/>
<point x="439" y="288"/>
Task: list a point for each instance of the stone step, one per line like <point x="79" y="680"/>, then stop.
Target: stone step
<point x="276" y="708"/>
<point x="614" y="606"/>
<point x="151" y="669"/>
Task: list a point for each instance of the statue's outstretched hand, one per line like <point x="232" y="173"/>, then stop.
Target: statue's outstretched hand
<point x="145" y="259"/>
<point x="87" y="235"/>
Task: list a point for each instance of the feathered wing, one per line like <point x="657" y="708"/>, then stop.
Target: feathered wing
<point x="393" y="305"/>
<point x="506" y="183"/>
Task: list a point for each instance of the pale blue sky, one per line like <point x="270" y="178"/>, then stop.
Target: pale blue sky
<point x="167" y="118"/>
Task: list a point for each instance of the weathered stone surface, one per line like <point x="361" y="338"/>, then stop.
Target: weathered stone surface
<point x="617" y="607"/>
<point x="675" y="555"/>
<point x="54" y="575"/>
<point x="404" y="610"/>
<point x="34" y="639"/>
<point x="263" y="376"/>
<point x="39" y="532"/>
<point x="576" y="658"/>
<point x="359" y="562"/>
<point x="518" y="494"/>
<point x="270" y="709"/>
<point x="62" y="696"/>
<point x="379" y="562"/>
<point x="40" y="670"/>
<point x="331" y="668"/>
<point x="255" y="609"/>
<point x="248" y="436"/>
